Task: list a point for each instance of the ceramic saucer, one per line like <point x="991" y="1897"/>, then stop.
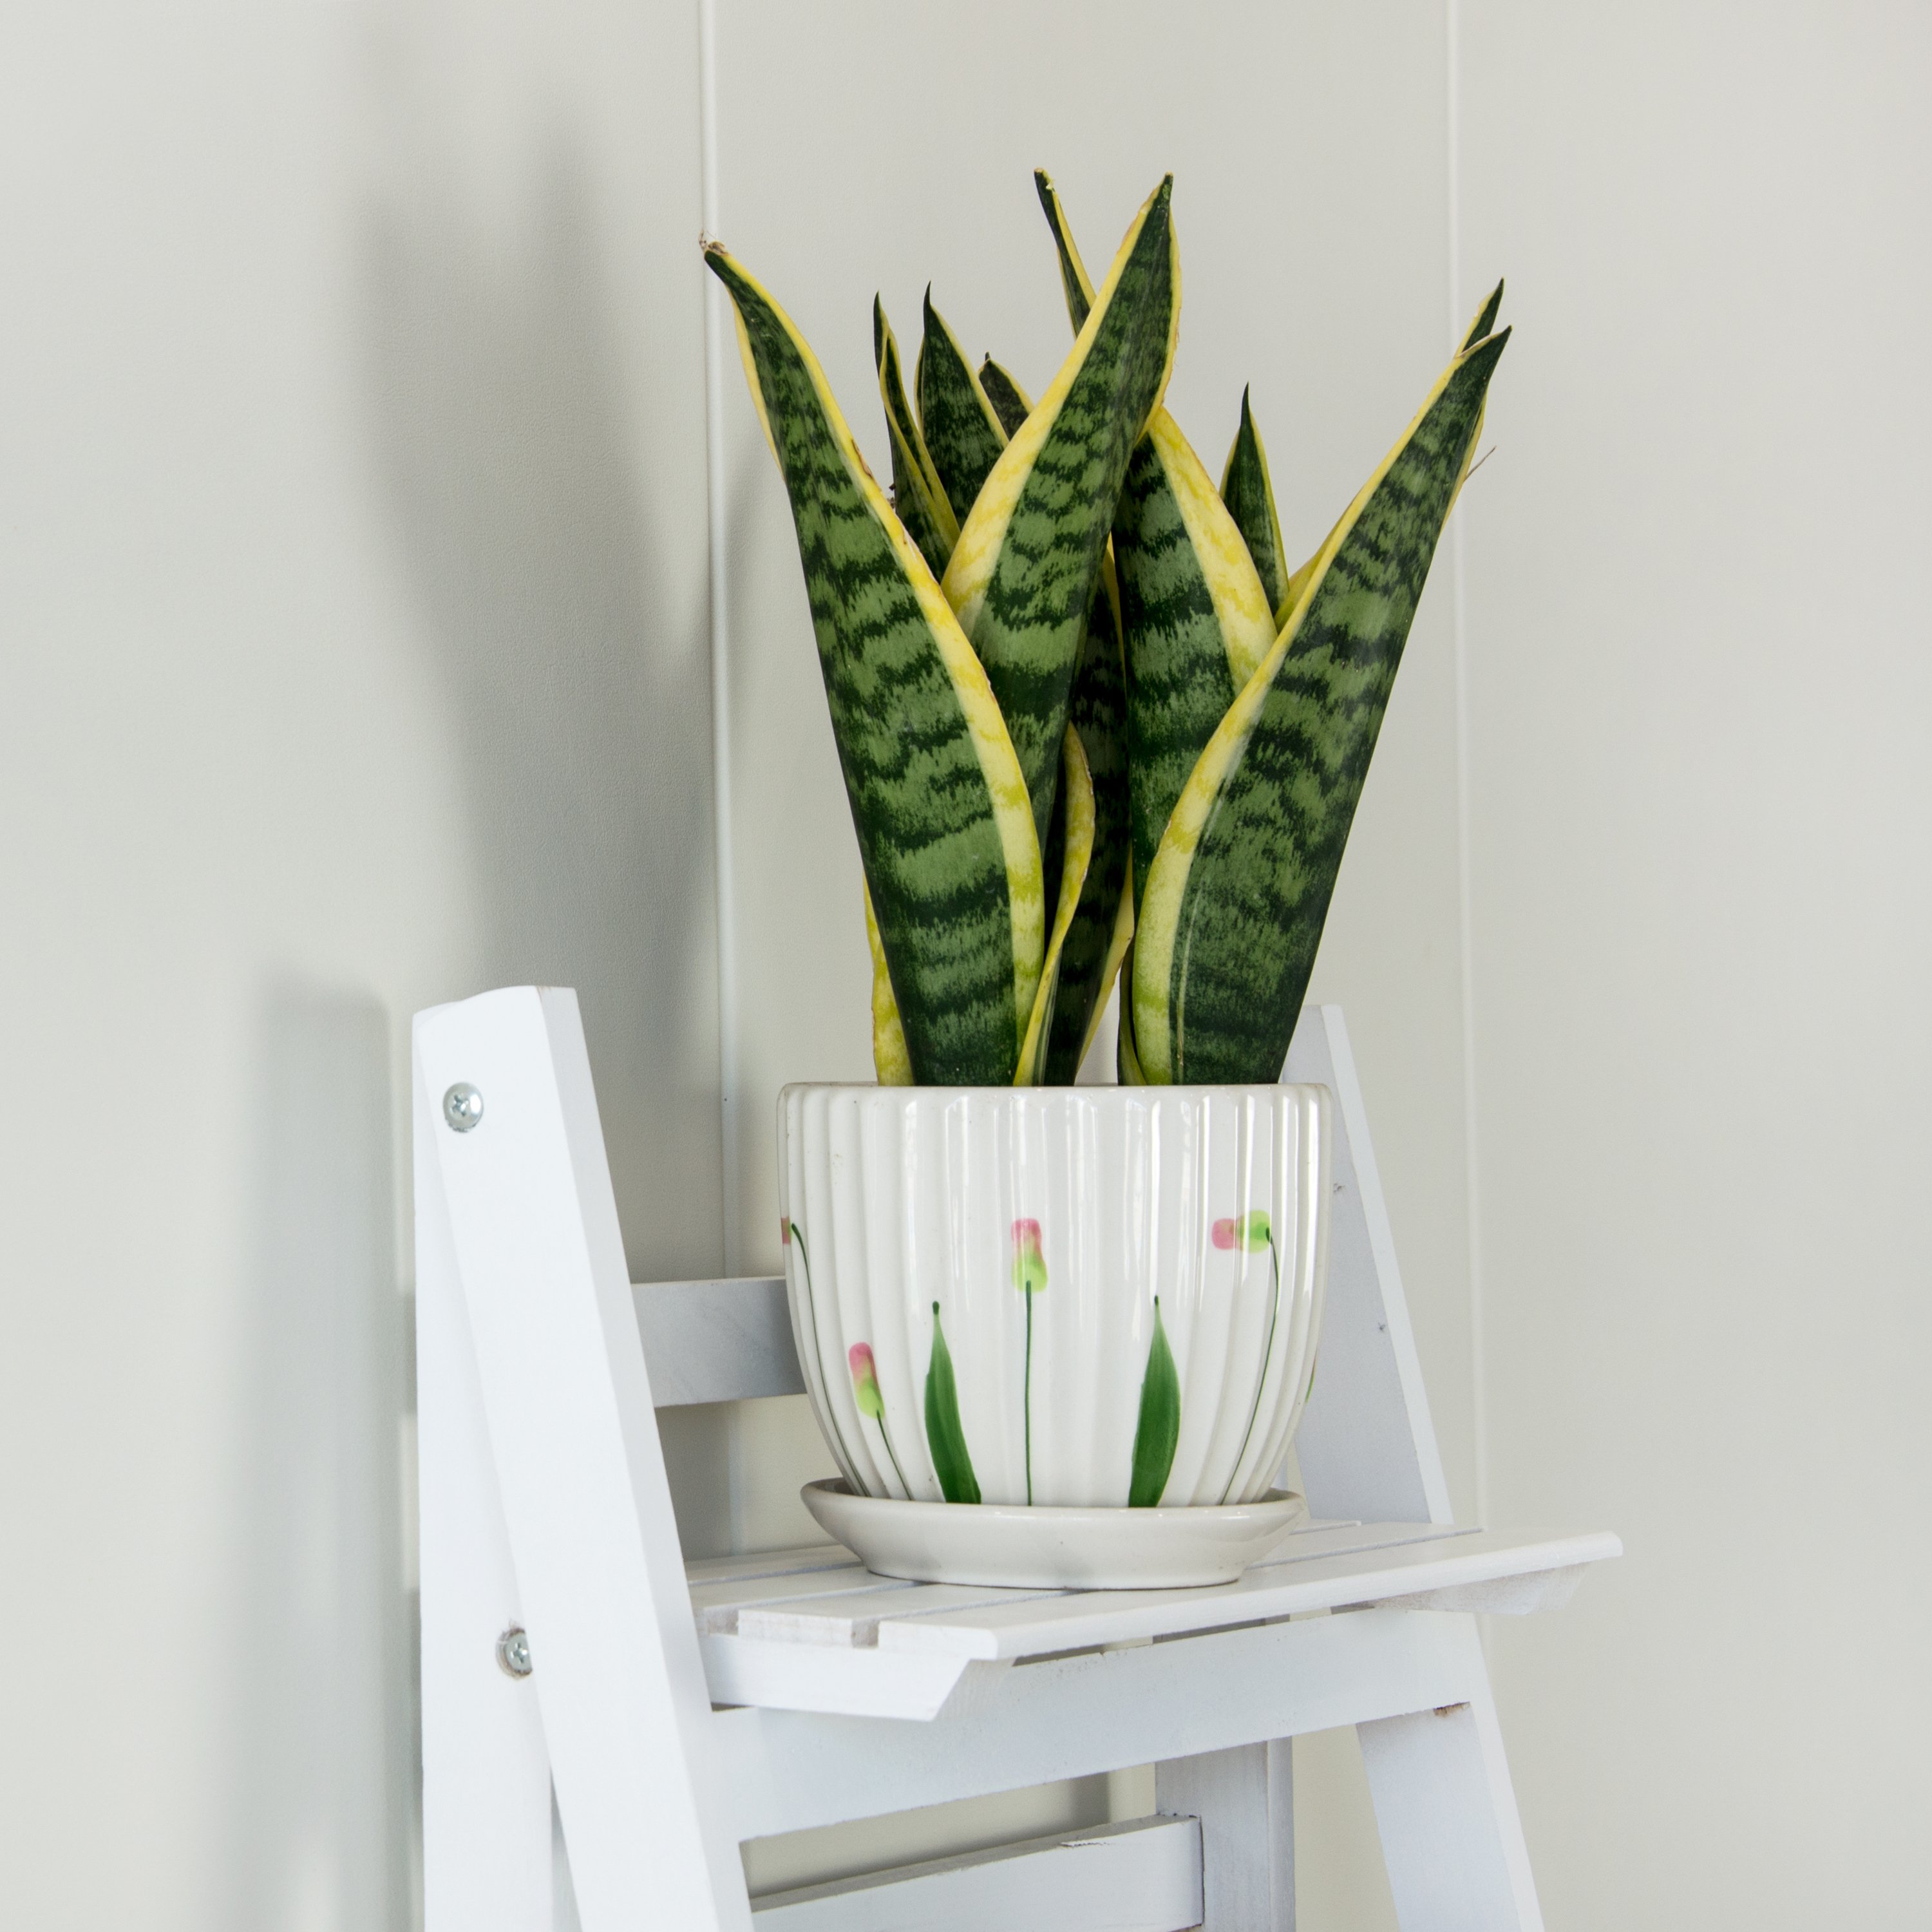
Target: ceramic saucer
<point x="1010" y="1544"/>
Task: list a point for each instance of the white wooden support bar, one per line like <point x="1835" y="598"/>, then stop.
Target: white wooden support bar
<point x="717" y="1341"/>
<point x="486" y="1848"/>
<point x="1244" y="1799"/>
<point x="1010" y="1725"/>
<point x="1141" y="1877"/>
<point x="1446" y="1809"/>
<point x="1366" y="1446"/>
<point x="626" y="1714"/>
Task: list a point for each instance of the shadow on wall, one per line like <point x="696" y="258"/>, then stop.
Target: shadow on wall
<point x="324" y="1752"/>
<point x="509" y="454"/>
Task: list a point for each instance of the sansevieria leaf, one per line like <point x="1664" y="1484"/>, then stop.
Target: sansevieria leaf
<point x="945" y="1438"/>
<point x="1023" y="572"/>
<point x="1195" y="617"/>
<point x="962" y="429"/>
<point x="890" y="1061"/>
<point x="939" y="801"/>
<point x="1158" y="1431"/>
<point x="1248" y="493"/>
<point x="1011" y="403"/>
<point x="917" y="494"/>
<point x="1073" y="824"/>
<point x="1234" y="907"/>
<point x="1103" y="920"/>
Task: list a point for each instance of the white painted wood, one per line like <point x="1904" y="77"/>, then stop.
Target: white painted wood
<point x="1040" y="1626"/>
<point x="795" y="1561"/>
<point x="1447" y="1811"/>
<point x="1506" y="1596"/>
<point x="487" y="1847"/>
<point x="829" y="1678"/>
<point x="578" y="1465"/>
<point x="1366" y="1446"/>
<point x="717" y="1341"/>
<point x="1244" y="1799"/>
<point x="1009" y="1725"/>
<point x="1141" y="1876"/>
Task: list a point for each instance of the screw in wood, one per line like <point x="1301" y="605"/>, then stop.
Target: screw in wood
<point x="463" y="1107"/>
<point x="513" y="1652"/>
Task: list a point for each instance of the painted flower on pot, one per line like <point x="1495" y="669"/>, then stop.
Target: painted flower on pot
<point x="1029" y="1278"/>
<point x="871" y="1400"/>
<point x="1252" y="1233"/>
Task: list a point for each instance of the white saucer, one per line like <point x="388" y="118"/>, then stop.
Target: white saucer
<point x="1009" y="1543"/>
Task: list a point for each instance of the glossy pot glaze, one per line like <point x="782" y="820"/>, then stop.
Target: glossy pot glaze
<point x="1073" y="1296"/>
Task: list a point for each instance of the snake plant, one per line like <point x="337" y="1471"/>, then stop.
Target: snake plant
<point x="1091" y="723"/>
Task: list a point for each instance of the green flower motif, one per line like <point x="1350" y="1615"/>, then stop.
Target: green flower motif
<point x="1029" y="1263"/>
<point x="1252" y="1231"/>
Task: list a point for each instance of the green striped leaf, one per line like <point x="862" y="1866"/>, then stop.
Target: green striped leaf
<point x="1074" y="282"/>
<point x="1126" y="1058"/>
<point x="1073" y="828"/>
<point x="1239" y="888"/>
<point x="1197" y="623"/>
<point x="945" y="1438"/>
<point x="1103" y="919"/>
<point x="1195" y="618"/>
<point x="1024" y="571"/>
<point x="890" y="1060"/>
<point x="939" y="801"/>
<point x="1158" y="1430"/>
<point x="962" y="430"/>
<point x="1095" y="939"/>
<point x="1011" y="403"/>
<point x="917" y="496"/>
<point x="1248" y="493"/>
<point x="1485" y="322"/>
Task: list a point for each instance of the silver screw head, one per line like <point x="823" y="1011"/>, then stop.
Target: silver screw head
<point x="513" y="1652"/>
<point x="463" y="1107"/>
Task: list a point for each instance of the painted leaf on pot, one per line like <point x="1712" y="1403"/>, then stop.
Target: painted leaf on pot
<point x="1157" y="1433"/>
<point x="1023" y="572"/>
<point x="939" y="800"/>
<point x="945" y="1438"/>
<point x="1239" y="888"/>
<point x="1011" y="403"/>
<point x="1195" y="619"/>
<point x="1248" y="493"/>
<point x="962" y="429"/>
<point x="917" y="495"/>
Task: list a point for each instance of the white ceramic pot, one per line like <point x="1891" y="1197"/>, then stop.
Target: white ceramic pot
<point x="1073" y="1296"/>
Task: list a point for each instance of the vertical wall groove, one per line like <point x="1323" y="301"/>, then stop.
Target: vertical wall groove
<point x="720" y="677"/>
<point x="1465" y="889"/>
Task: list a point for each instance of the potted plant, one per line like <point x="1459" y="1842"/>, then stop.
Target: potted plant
<point x="1093" y="727"/>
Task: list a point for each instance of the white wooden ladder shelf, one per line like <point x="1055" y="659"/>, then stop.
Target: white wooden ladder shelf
<point x="676" y="1710"/>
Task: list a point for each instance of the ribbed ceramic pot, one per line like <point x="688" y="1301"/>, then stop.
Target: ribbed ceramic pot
<point x="1084" y="1296"/>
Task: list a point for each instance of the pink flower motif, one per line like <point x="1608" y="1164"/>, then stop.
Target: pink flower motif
<point x="865" y="1380"/>
<point x="1029" y="1263"/>
<point x="1251" y="1231"/>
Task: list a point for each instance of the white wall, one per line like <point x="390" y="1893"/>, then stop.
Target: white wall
<point x="351" y="464"/>
<point x="1701" y="704"/>
<point x="356" y="653"/>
